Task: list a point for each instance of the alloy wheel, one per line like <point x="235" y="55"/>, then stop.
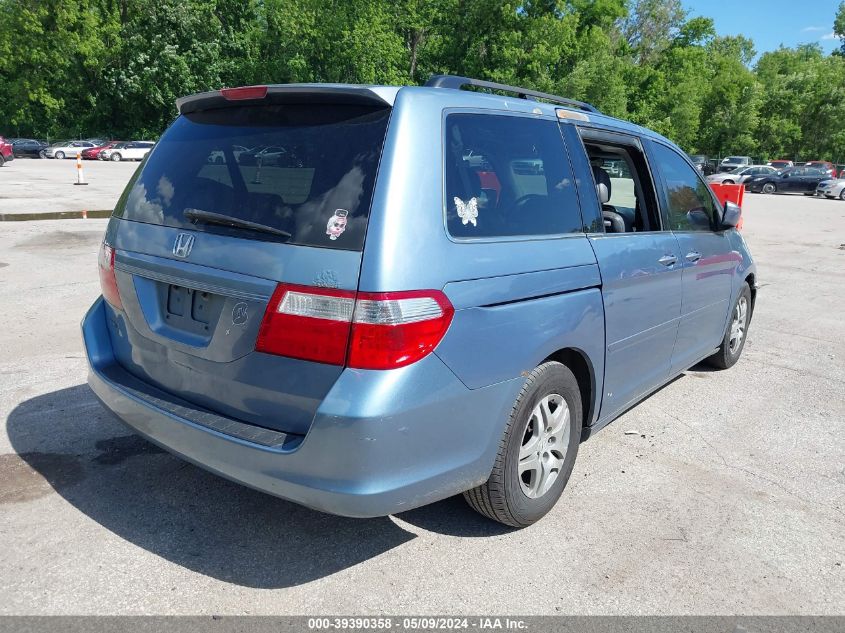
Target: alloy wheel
<point x="738" y="325"/>
<point x="544" y="446"/>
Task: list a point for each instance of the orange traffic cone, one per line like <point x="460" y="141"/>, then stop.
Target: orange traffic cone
<point x="80" y="177"/>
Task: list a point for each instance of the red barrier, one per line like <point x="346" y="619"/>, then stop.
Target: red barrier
<point x="730" y="193"/>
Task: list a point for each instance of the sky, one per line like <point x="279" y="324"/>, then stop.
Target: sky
<point x="770" y="23"/>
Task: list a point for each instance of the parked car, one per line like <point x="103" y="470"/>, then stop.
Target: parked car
<point x="827" y="167"/>
<point x="841" y="171"/>
<point x="217" y="156"/>
<point x="104" y="155"/>
<point x="832" y="188"/>
<point x="702" y="164"/>
<point x="780" y="164"/>
<point x="6" y="152"/>
<point x="92" y="153"/>
<point x="793" y="180"/>
<point x="135" y="150"/>
<point x="97" y="142"/>
<point x="468" y="344"/>
<point x="29" y="147"/>
<point x="273" y="155"/>
<point x="66" y="149"/>
<point x="741" y="174"/>
<point x="732" y="162"/>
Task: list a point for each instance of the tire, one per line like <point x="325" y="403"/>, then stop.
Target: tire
<point x="42" y="154"/>
<point x="518" y="500"/>
<point x="842" y="194"/>
<point x="115" y="157"/>
<point x="59" y="155"/>
<point x="730" y="350"/>
<point x="770" y="187"/>
<point x="2" y="160"/>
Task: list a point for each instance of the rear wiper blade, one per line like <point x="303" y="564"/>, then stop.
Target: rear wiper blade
<point x="209" y="217"/>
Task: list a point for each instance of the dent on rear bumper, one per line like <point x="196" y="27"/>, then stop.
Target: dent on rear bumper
<point x="381" y="442"/>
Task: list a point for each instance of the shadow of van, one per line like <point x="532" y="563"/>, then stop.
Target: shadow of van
<point x="66" y="442"/>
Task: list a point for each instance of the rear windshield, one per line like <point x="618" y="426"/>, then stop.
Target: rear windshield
<point x="305" y="171"/>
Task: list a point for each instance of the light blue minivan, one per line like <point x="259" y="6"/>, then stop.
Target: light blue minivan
<point x="369" y="298"/>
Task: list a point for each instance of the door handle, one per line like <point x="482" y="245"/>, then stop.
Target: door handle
<point x="693" y="256"/>
<point x="668" y="260"/>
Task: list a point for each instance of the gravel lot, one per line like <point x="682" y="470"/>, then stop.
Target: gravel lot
<point x="728" y="499"/>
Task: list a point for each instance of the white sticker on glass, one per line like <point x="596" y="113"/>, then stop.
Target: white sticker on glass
<point x="467" y="211"/>
<point x="336" y="224"/>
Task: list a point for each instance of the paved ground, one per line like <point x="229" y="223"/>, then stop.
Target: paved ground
<point x="729" y="499"/>
<point x="30" y="185"/>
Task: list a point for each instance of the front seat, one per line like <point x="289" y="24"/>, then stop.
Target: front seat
<point x="613" y="221"/>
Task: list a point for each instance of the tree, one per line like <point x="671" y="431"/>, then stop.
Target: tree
<point x="116" y="66"/>
<point x="651" y="26"/>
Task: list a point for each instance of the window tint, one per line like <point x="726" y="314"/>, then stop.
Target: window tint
<point x="691" y="206"/>
<point x="507" y="176"/>
<point x="309" y="171"/>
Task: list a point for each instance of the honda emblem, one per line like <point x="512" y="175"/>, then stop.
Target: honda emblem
<point x="183" y="245"/>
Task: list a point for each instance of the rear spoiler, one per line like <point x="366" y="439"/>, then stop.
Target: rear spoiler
<point x="288" y="93"/>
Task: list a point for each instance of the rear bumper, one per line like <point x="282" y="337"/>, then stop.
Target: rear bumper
<point x="380" y="442"/>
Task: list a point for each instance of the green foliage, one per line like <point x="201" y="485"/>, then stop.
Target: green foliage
<point x="115" y="67"/>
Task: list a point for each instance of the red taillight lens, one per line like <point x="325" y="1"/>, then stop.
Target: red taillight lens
<point x="307" y="323"/>
<point x="108" y="282"/>
<point x="394" y="329"/>
<point x="246" y="92"/>
<point x="366" y="331"/>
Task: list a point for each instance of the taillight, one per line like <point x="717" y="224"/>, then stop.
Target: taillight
<point x="307" y="323"/>
<point x="394" y="329"/>
<point x="108" y="282"/>
<point x="382" y="330"/>
<point x="245" y="92"/>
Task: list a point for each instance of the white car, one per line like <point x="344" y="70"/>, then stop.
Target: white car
<point x="217" y="156"/>
<point x="740" y="174"/>
<point x="68" y="149"/>
<point x="834" y="188"/>
<point x="136" y="150"/>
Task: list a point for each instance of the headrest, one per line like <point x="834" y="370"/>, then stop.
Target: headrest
<point x="602" y="179"/>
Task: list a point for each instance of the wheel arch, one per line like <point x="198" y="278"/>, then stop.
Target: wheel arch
<point x="580" y="365"/>
<point x="751" y="280"/>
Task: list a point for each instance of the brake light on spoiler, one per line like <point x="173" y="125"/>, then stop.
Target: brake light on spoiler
<point x="383" y="330"/>
<point x="243" y="93"/>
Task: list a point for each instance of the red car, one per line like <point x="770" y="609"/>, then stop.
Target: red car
<point x="92" y="153"/>
<point x="5" y="152"/>
<point x="780" y="163"/>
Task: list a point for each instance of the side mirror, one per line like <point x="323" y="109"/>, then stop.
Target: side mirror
<point x="731" y="215"/>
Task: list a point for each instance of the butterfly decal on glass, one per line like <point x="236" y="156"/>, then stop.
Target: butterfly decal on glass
<point x="467" y="211"/>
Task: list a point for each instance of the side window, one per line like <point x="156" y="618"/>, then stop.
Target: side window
<point x="623" y="186"/>
<point x="507" y="176"/>
<point x="691" y="206"/>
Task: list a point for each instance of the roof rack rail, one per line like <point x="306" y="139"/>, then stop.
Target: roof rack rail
<point x="456" y="82"/>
